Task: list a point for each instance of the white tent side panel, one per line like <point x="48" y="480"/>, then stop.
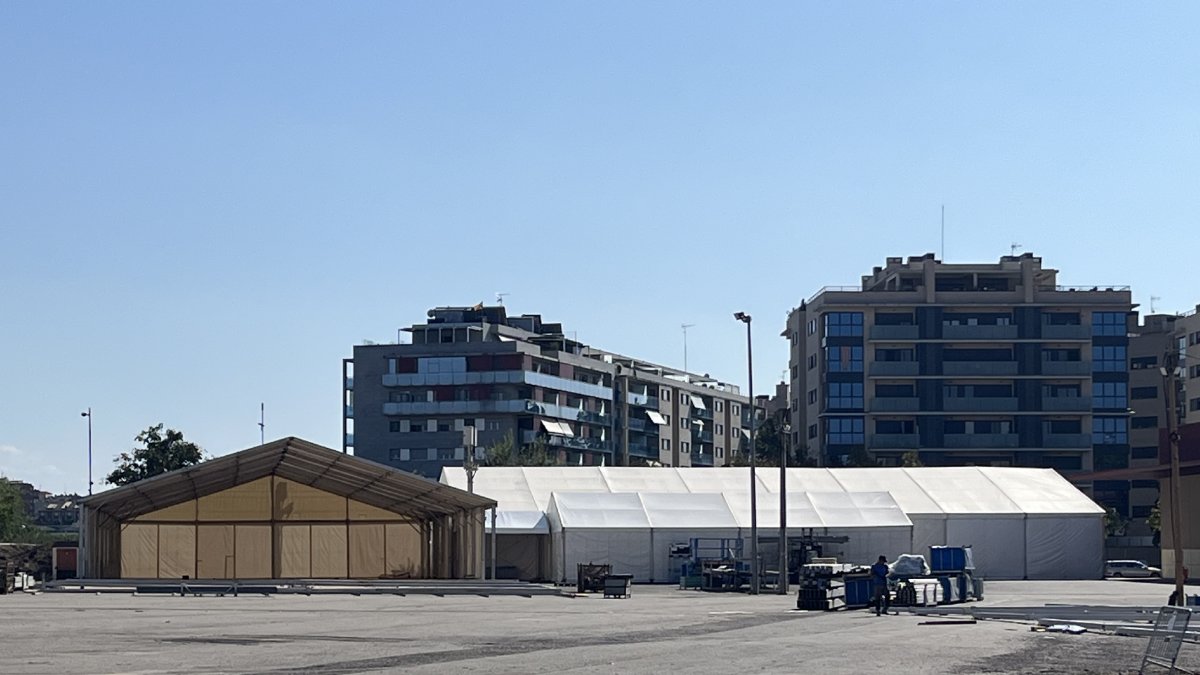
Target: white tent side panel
<point x="1064" y="547"/>
<point x="627" y="550"/>
<point x="998" y="543"/>
<point x="867" y="543"/>
<point x="928" y="530"/>
<point x="665" y="569"/>
<point x="522" y="553"/>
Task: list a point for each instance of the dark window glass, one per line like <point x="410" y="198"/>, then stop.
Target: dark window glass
<point x="1108" y="323"/>
<point x="1110" y="431"/>
<point x="1149" y="422"/>
<point x="844" y="395"/>
<point x="1108" y="359"/>
<point x="843" y="323"/>
<point x="1145" y="452"/>
<point x="844" y="431"/>
<point x="1109" y="395"/>
<point x="844" y="359"/>
<point x="1143" y="392"/>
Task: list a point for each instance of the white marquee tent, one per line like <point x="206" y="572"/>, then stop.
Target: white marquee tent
<point x="1022" y="523"/>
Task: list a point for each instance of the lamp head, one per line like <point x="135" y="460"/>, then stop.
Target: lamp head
<point x="742" y="316"/>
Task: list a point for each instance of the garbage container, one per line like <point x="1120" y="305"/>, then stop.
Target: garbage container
<point x="589" y="577"/>
<point x="618" y="585"/>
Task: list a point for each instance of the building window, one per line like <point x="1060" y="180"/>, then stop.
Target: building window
<point x="736" y="410"/>
<point x="844" y="431"/>
<point x="812" y="431"/>
<point x="685" y="447"/>
<point x="812" y="361"/>
<point x="720" y="428"/>
<point x="795" y="404"/>
<point x="1140" y="511"/>
<point x="842" y="395"/>
<point x="398" y="454"/>
<point x="1194" y="405"/>
<point x="667" y="418"/>
<point x="445" y="425"/>
<point x="666" y="395"/>
<point x="1108" y="359"/>
<point x="795" y="372"/>
<point x="812" y="396"/>
<point x="720" y="405"/>
<point x="492" y="425"/>
<point x="1142" y="362"/>
<point x="1143" y="484"/>
<point x="1144" y="452"/>
<point x="446" y="454"/>
<point x="1143" y="392"/>
<point x="666" y="444"/>
<point x="1109" y="395"/>
<point x="1110" y="431"/>
<point x="683" y="423"/>
<point x="418" y="454"/>
<point x="1148" y="422"/>
<point x="720" y="452"/>
<point x="843" y="323"/>
<point x="394" y="426"/>
<point x="1108" y="323"/>
<point x="812" y="326"/>
<point x="844" y="359"/>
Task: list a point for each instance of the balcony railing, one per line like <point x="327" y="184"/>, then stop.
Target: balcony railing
<point x="895" y="404"/>
<point x="699" y="436"/>
<point x="895" y="441"/>
<point x="1067" y="368"/>
<point x="958" y="332"/>
<point x="701" y="414"/>
<point x="518" y="405"/>
<point x="1067" y="404"/>
<point x="1066" y="332"/>
<point x="979" y="368"/>
<point x="644" y="400"/>
<point x="349" y="439"/>
<point x="980" y="441"/>
<point x="348" y="383"/>
<point x="895" y="368"/>
<point x="1067" y="440"/>
<point x="578" y="443"/>
<point x="348" y="411"/>
<point x="643" y="450"/>
<point x="979" y="404"/>
<point x="895" y="332"/>
<point x="638" y="424"/>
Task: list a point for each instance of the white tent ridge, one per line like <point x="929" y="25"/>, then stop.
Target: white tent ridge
<point x="1023" y="523"/>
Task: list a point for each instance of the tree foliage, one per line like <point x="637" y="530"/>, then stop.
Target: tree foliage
<point x="15" y="525"/>
<point x="506" y="452"/>
<point x="911" y="458"/>
<point x="161" y="451"/>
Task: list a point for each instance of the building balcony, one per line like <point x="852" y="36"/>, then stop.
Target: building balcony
<point x="979" y="404"/>
<point x="702" y="459"/>
<point x="701" y="414"/>
<point x="1081" y="441"/>
<point x="954" y="441"/>
<point x="497" y="377"/>
<point x="699" y="436"/>
<point x="347" y="383"/>
<point x="510" y="406"/>
<point x="1081" y="368"/>
<point x="577" y="443"/>
<point x="895" y="441"/>
<point x="895" y="404"/>
<point x="348" y="411"/>
<point x="895" y="369"/>
<point x="1067" y="404"/>
<point x="895" y="332"/>
<point x="636" y="424"/>
<point x="643" y="400"/>
<point x="1073" y="332"/>
<point x="643" y="450"/>
<point x="956" y="332"/>
<point x="969" y="368"/>
<point x="348" y="440"/>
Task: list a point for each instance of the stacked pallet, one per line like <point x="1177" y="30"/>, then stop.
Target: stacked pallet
<point x="824" y="597"/>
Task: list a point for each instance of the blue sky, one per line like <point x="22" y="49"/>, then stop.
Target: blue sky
<point x="203" y="206"/>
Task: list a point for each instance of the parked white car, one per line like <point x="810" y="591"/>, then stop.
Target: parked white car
<point x="1130" y="568"/>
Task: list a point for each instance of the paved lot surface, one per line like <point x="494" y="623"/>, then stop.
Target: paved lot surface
<point x="658" y="630"/>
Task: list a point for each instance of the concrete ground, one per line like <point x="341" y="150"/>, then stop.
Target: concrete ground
<point x="658" y="630"/>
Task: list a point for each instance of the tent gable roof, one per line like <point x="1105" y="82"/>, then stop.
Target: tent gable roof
<point x="296" y="460"/>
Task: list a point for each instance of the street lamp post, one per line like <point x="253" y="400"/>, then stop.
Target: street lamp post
<point x="745" y="318"/>
<point x="88" y="415"/>
<point x="782" y="586"/>
<point x="1169" y="372"/>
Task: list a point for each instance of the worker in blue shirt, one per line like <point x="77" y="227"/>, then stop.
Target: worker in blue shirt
<point x="879" y="586"/>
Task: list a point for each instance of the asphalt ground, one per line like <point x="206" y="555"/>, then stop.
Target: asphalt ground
<point x="658" y="629"/>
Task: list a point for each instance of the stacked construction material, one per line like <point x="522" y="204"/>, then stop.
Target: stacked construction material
<point x="822" y="586"/>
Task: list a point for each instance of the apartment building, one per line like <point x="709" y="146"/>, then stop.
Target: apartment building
<point x="407" y="405"/>
<point x="1187" y="334"/>
<point x="982" y="363"/>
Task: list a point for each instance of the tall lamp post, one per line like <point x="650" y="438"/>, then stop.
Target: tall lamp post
<point x="88" y="415"/>
<point x="1169" y="372"/>
<point x="782" y="586"/>
<point x="745" y="318"/>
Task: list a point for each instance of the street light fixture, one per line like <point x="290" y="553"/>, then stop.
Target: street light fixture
<point x="88" y="415"/>
<point x="745" y="318"/>
<point x="1169" y="371"/>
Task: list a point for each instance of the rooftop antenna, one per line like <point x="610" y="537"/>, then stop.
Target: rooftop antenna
<point x="262" y="423"/>
<point x="500" y="298"/>
<point x="1015" y="247"/>
<point x="685" y="327"/>
<point x="1153" y="300"/>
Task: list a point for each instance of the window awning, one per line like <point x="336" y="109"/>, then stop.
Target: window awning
<point x="558" y="428"/>
<point x="698" y="402"/>
<point x="656" y="417"/>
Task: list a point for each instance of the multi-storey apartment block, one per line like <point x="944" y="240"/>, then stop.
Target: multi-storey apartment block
<point x="408" y="404"/>
<point x="964" y="364"/>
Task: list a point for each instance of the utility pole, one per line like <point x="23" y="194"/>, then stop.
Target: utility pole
<point x="746" y="318"/>
<point x="685" y="327"/>
<point x="782" y="586"/>
<point x="1169" y="372"/>
<point x="88" y="415"/>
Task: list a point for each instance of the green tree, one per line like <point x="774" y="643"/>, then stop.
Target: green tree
<point x="859" y="457"/>
<point x="15" y="525"/>
<point x="161" y="451"/>
<point x="506" y="452"/>
<point x="1114" y="522"/>
<point x="911" y="458"/>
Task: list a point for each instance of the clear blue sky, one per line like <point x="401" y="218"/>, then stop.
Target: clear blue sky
<point x="205" y="205"/>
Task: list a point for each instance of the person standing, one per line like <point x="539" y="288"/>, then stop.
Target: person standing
<point x="879" y="586"/>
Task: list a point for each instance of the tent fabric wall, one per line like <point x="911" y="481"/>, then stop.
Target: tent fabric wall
<point x="246" y="502"/>
<point x="252" y="551"/>
<point x="293" y="551"/>
<point x="998" y="543"/>
<point x="329" y="551"/>
<point x="297" y="501"/>
<point x="177" y="551"/>
<point x="215" y="552"/>
<point x="368" y="551"/>
<point x="402" y="551"/>
<point x="1060" y="547"/>
<point x="139" y="551"/>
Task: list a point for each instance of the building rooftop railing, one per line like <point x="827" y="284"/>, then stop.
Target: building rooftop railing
<point x="1042" y="287"/>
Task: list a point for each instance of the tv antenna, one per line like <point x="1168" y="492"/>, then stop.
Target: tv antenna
<point x="1016" y="247"/>
<point x="262" y="423"/>
<point x="500" y="298"/>
<point x="685" y="327"/>
<point x="1153" y="301"/>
